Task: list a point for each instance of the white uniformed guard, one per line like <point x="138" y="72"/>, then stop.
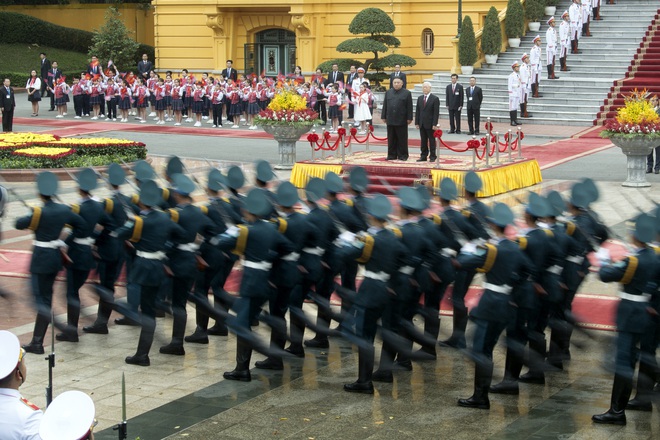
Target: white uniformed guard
<point x="514" y="86"/>
<point x="69" y="417"/>
<point x="19" y="419"/>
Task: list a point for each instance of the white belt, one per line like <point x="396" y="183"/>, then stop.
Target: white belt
<point x="504" y="288"/>
<point x="160" y="255"/>
<point x="293" y="256"/>
<point x="556" y="269"/>
<point x="644" y="297"/>
<point x="448" y="252"/>
<point x="258" y="265"/>
<point x="378" y="276"/>
<point x="54" y="244"/>
<point x="314" y="251"/>
<point x="188" y="247"/>
<point x="577" y="259"/>
<point x="87" y="241"/>
<point x="407" y="270"/>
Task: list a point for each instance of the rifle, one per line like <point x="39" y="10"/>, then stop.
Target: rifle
<point x="51" y="359"/>
<point x="122" y="427"/>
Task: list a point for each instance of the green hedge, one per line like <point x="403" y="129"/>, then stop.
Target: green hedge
<point x="19" y="79"/>
<point x="74" y="161"/>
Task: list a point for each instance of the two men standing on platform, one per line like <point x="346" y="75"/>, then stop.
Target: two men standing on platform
<point x="397" y="114"/>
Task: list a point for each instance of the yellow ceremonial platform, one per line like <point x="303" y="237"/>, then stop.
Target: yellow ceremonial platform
<point x="386" y="176"/>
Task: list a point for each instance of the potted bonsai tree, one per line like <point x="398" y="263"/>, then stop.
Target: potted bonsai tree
<point x="514" y="22"/>
<point x="467" y="47"/>
<point x="491" y="39"/>
<point x="551" y="7"/>
<point x="533" y="12"/>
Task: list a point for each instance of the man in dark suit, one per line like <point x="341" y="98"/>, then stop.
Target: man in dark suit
<point x="94" y="68"/>
<point x="427" y="113"/>
<point x="45" y="67"/>
<point x="454" y="103"/>
<point x="349" y="83"/>
<point x="53" y="75"/>
<point x="145" y="66"/>
<point x="7" y="105"/>
<point x="398" y="74"/>
<point x="335" y="75"/>
<point x="473" y="97"/>
<point x="230" y="72"/>
<point x="397" y="114"/>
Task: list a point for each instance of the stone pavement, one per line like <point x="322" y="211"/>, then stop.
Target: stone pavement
<point x="186" y="397"/>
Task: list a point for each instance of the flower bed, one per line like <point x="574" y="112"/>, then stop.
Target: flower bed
<point x="287" y="108"/>
<point x="30" y="150"/>
<point x="637" y="118"/>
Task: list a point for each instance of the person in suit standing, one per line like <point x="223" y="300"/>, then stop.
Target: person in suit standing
<point x="45" y="67"/>
<point x="454" y="103"/>
<point x="53" y="75"/>
<point x="427" y="113"/>
<point x="473" y="99"/>
<point x="145" y="66"/>
<point x="94" y="68"/>
<point x="397" y="114"/>
<point x="398" y="74"/>
<point x="229" y="72"/>
<point x="7" y="105"/>
<point x="349" y="83"/>
<point x="335" y="75"/>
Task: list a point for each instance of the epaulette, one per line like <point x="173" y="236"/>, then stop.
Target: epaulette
<point x="570" y="228"/>
<point x="226" y="200"/>
<point x="29" y="404"/>
<point x="436" y="219"/>
<point x="204" y="209"/>
<point x="349" y="202"/>
<point x="396" y="231"/>
<point x="135" y="198"/>
<point x="36" y="216"/>
<point x="137" y="230"/>
<point x="522" y="243"/>
<point x="549" y="232"/>
<point x="281" y="225"/>
<point x="166" y="194"/>
<point x="628" y="275"/>
<point x="367" y="249"/>
<point x="491" y="254"/>
<point x="324" y="207"/>
<point x="241" y="241"/>
<point x="75" y="208"/>
<point x="656" y="249"/>
<point x="174" y="215"/>
<point x="109" y="206"/>
<point x="466" y="213"/>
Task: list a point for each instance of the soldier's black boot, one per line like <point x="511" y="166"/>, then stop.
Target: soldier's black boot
<point x="72" y="316"/>
<point x="431" y="329"/>
<point x="616" y="415"/>
<point x="141" y="356"/>
<point x="364" y="383"/>
<point x="549" y="69"/>
<point x="243" y="356"/>
<point x="175" y="347"/>
<point x="482" y="378"/>
<point x="509" y="384"/>
<point x="36" y="345"/>
<point x="384" y="372"/>
<point x="645" y="380"/>
<point x="100" y="326"/>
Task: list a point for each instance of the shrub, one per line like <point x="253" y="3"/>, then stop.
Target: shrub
<point x="534" y="9"/>
<point x="514" y="24"/>
<point x="491" y="39"/>
<point x="467" y="44"/>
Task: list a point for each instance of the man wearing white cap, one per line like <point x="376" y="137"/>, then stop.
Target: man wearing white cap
<point x="535" y="61"/>
<point x="69" y="417"/>
<point x="19" y="419"/>
<point x="564" y="40"/>
<point x="551" y="47"/>
<point x="575" y="15"/>
<point x="514" y="93"/>
<point x="525" y="85"/>
<point x="586" y="17"/>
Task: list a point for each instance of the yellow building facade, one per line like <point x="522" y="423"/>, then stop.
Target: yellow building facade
<point x="274" y="36"/>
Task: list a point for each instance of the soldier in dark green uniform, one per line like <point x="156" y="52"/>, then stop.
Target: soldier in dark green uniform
<point x="47" y="222"/>
<point x="264" y="174"/>
<point x="637" y="274"/>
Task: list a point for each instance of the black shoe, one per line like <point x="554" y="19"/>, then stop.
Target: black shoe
<point x="470" y="133"/>
<point x="459" y="132"/>
<point x="513" y="124"/>
<point x="433" y="159"/>
<point x="474" y="402"/>
<point x="452" y="132"/>
<point x="426" y="352"/>
<point x="383" y="376"/>
<point x="421" y="159"/>
<point x="141" y="360"/>
<point x="174" y="349"/>
<point x="403" y="159"/>
<point x="358" y="387"/>
<point x="610" y="417"/>
<point x="99" y="329"/>
<point x="505" y="387"/>
<point x="402" y="366"/>
<point x="217" y="330"/>
<point x="67" y="337"/>
<point x="391" y="158"/>
<point x="33" y="348"/>
<point x="126" y="321"/>
<point x="534" y="378"/>
<point x="656" y="172"/>
<point x="298" y="352"/>
<point x="198" y="337"/>
<point x="453" y="343"/>
<point x="243" y="376"/>
<point x="269" y="364"/>
<point x="51" y="109"/>
<point x="638" y="405"/>
<point x="317" y="343"/>
<point x="477" y="133"/>
<point x="254" y="323"/>
<point x="159" y="313"/>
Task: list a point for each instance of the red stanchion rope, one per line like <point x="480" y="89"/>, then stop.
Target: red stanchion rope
<point x="371" y="133"/>
<point x="354" y="133"/>
<point x="438" y="135"/>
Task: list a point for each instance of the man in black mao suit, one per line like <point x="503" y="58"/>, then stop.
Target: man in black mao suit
<point x="45" y="67"/>
<point x="230" y="72"/>
<point x="397" y="114"/>
<point x="7" y="104"/>
<point x="351" y="76"/>
<point x="398" y="74"/>
<point x="52" y="76"/>
<point x="427" y="113"/>
<point x="454" y="103"/>
<point x="145" y="66"/>
<point x="473" y="99"/>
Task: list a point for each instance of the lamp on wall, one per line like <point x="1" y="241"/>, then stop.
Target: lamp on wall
<point x="460" y="18"/>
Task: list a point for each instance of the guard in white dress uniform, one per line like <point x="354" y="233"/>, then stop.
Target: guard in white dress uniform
<point x="515" y="93"/>
<point x="586" y="17"/>
<point x="551" y="48"/>
<point x="564" y="40"/>
<point x="535" y="61"/>
<point x="575" y="14"/>
<point x="525" y="85"/>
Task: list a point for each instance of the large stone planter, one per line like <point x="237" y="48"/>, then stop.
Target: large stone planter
<point x="636" y="149"/>
<point x="286" y="137"/>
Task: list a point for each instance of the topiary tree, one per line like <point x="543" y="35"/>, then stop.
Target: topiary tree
<point x="514" y="25"/>
<point x="491" y="39"/>
<point x="113" y="41"/>
<point x="379" y="28"/>
<point x="534" y="10"/>
<point x="467" y="44"/>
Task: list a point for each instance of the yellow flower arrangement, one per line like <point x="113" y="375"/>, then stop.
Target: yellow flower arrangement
<point x="27" y="138"/>
<point x="636" y="118"/>
<point x="44" y="152"/>
<point x="92" y="141"/>
<point x="288" y="100"/>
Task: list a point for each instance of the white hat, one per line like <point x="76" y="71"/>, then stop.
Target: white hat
<point x="538" y="37"/>
<point x="69" y="417"/>
<point x="550" y="19"/>
<point x="10" y="352"/>
<point x="360" y="69"/>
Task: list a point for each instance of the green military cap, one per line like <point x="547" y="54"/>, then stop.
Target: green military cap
<point x="182" y="184"/>
<point x="116" y="174"/>
<point x="645" y="228"/>
<point x="315" y="189"/>
<point x="235" y="178"/>
<point x="150" y="193"/>
<point x="501" y="215"/>
<point x="580" y="196"/>
<point x="358" y="179"/>
<point x="174" y="166"/>
<point x="287" y="194"/>
<point x="591" y="189"/>
<point x="333" y="183"/>
<point x="379" y="207"/>
<point x="47" y="183"/>
<point x="143" y="171"/>
<point x="87" y="179"/>
<point x="448" y="190"/>
<point x="257" y="203"/>
<point x="425" y="195"/>
<point x="409" y="198"/>
<point x="264" y="171"/>
<point x="216" y="180"/>
<point x="473" y="182"/>
<point x="538" y="206"/>
<point x="557" y="203"/>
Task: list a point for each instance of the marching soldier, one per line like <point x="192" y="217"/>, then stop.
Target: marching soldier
<point x="564" y="40"/>
<point x="47" y="223"/>
<point x="551" y="48"/>
<point x="264" y="174"/>
<point x="515" y="93"/>
<point x="535" y="62"/>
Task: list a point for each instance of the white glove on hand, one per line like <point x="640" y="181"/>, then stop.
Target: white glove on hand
<point x="603" y="255"/>
<point x="469" y="248"/>
<point x="232" y="231"/>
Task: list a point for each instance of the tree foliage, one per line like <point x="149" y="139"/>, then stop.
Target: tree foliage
<point x="113" y="41"/>
<point x="515" y="23"/>
<point x="467" y="44"/>
<point x="491" y="39"/>
<point x="534" y="9"/>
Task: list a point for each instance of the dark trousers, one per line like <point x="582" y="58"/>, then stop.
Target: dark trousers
<point x="217" y="114"/>
<point x="397" y="142"/>
<point x="486" y="334"/>
<point x="247" y="310"/>
<point x="86" y="107"/>
<point x="427" y="143"/>
<point x="473" y="119"/>
<point x="78" y="104"/>
<point x="320" y="108"/>
<point x="649" y="160"/>
<point x="42" y="291"/>
<point x="7" y="120"/>
<point x="112" y="108"/>
<point x="454" y="120"/>
<point x="180" y="290"/>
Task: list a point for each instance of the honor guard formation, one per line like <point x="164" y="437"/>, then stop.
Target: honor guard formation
<point x="296" y="245"/>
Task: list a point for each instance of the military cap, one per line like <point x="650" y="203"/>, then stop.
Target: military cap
<point x="501" y="215"/>
<point x="235" y="178"/>
<point x="150" y="193"/>
<point x="538" y="206"/>
<point x="70" y="416"/>
<point x="358" y="179"/>
<point x="143" y="171"/>
<point x="448" y="190"/>
<point x="556" y="202"/>
<point x="315" y="189"/>
<point x="87" y="179"/>
<point x="257" y="203"/>
<point x="473" y="182"/>
<point x="174" y="166"/>
<point x="333" y="183"/>
<point x="379" y="207"/>
<point x="264" y="171"/>
<point x="182" y="184"/>
<point x="287" y="194"/>
<point x="216" y="180"/>
<point x="409" y="198"/>
<point x="537" y="38"/>
<point x="10" y="353"/>
<point x="47" y="183"/>
<point x="550" y="19"/>
<point x="645" y="228"/>
<point x="425" y="195"/>
<point x="515" y="64"/>
<point x="592" y="189"/>
<point x="116" y="174"/>
<point x="579" y="196"/>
